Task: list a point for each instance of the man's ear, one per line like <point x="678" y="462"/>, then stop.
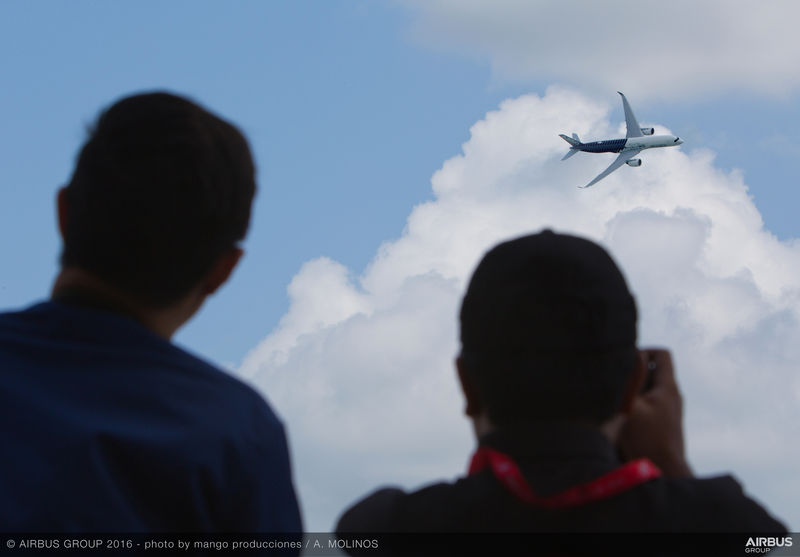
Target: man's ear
<point x="633" y="387"/>
<point x="221" y="270"/>
<point x="62" y="210"/>
<point x="471" y="395"/>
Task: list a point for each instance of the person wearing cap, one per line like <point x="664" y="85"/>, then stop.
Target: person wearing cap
<point x="578" y="430"/>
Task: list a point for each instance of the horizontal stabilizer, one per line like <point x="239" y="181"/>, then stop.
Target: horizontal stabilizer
<point x="569" y="154"/>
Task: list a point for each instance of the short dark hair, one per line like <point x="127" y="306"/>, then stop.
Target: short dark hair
<point x="160" y="190"/>
<point x="548" y="331"/>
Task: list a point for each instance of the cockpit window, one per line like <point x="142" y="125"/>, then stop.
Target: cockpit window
<point x="677" y="139"/>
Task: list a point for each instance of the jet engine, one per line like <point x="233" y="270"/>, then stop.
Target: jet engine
<point x="634" y="162"/>
<point x="648" y="131"/>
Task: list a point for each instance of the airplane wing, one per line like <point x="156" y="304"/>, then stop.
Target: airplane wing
<point x="630" y="120"/>
<point x="619" y="161"/>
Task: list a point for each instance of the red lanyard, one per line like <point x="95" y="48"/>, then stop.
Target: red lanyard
<point x="618" y="480"/>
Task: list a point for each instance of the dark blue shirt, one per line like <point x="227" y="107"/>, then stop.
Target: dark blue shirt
<point x="105" y="426"/>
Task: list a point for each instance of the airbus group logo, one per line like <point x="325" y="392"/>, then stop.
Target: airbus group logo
<point x="765" y="544"/>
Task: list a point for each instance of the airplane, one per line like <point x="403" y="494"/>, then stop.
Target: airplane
<point x="636" y="140"/>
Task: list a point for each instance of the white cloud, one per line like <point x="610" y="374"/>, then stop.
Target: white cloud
<point x="653" y="48"/>
<point x="361" y="368"/>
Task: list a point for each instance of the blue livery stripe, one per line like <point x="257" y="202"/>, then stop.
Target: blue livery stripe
<point x="608" y="146"/>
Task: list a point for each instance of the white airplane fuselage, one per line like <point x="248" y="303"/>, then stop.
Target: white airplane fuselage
<point x="650" y="141"/>
<point x="630" y="144"/>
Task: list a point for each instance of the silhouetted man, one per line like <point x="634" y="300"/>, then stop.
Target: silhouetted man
<point x="571" y="436"/>
<point x="105" y="424"/>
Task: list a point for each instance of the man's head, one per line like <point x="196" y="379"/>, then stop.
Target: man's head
<point x="548" y="332"/>
<point x="161" y="190"/>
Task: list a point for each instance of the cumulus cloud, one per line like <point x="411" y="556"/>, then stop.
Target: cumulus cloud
<point x="674" y="48"/>
<point x="361" y="366"/>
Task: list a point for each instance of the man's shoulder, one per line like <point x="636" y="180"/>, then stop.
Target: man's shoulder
<point x="717" y="504"/>
<point x="56" y="343"/>
<point x="435" y="507"/>
<point x="477" y="503"/>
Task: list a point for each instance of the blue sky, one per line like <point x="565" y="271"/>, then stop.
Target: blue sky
<point x="346" y="118"/>
<point x="352" y="106"/>
<point x="348" y="115"/>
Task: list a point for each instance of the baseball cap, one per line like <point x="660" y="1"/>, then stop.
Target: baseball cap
<point x="548" y="330"/>
<point x="547" y="293"/>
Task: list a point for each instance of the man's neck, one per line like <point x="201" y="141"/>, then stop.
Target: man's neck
<point x="75" y="285"/>
<point x="483" y="425"/>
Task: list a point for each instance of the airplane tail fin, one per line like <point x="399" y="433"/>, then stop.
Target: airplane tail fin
<point x="574" y="140"/>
